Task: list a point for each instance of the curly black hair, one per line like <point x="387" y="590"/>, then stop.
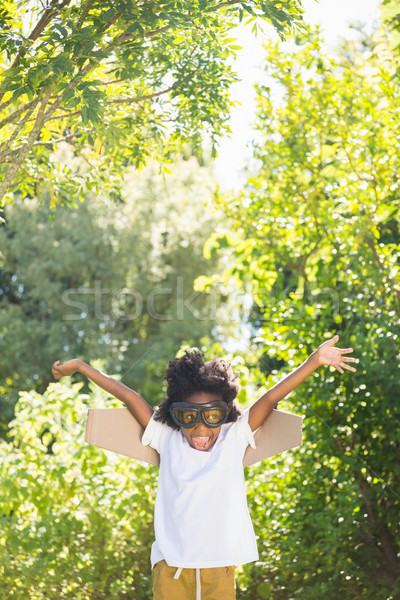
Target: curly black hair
<point x="190" y="374"/>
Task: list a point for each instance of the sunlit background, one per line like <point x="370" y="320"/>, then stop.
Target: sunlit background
<point x="335" y="19"/>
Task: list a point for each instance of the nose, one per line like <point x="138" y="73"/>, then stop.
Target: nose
<point x="200" y="428"/>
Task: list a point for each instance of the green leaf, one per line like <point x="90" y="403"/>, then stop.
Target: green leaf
<point x="264" y="590"/>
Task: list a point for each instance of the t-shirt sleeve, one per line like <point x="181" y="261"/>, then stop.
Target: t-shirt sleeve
<point x="245" y="434"/>
<point x="154" y="434"/>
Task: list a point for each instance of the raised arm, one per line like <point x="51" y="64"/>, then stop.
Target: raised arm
<point x="140" y="409"/>
<point x="326" y="354"/>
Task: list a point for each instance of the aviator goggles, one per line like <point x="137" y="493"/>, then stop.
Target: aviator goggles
<point x="187" y="414"/>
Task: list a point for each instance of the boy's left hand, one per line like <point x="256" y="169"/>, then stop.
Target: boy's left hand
<point x="327" y="354"/>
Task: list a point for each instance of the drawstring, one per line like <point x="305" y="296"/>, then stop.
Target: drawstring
<point x="198" y="585"/>
<point x="198" y="582"/>
<point x="178" y="572"/>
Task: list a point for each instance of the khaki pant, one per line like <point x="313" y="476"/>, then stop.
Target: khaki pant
<point x="215" y="584"/>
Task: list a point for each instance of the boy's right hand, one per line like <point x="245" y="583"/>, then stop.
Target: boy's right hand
<point x="63" y="369"/>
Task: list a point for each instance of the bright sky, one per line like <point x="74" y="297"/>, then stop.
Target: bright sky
<point x="334" y="17"/>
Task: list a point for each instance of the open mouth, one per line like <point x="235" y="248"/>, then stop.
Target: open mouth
<point x="201" y="442"/>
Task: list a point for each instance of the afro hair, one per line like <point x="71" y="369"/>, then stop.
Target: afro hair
<point x="190" y="374"/>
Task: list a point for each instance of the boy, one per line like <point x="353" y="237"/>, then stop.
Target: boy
<point x="202" y="523"/>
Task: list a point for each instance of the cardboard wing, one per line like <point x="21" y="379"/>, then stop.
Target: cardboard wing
<point x="116" y="429"/>
<point x="280" y="432"/>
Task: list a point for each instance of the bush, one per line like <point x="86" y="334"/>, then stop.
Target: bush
<point x="76" y="522"/>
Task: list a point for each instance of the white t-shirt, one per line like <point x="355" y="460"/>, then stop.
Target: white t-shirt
<point x="201" y="518"/>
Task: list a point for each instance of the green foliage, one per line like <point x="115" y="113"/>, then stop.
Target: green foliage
<point x="106" y="280"/>
<point x="315" y="240"/>
<point x="120" y="82"/>
<point x="76" y="522"/>
<point x="390" y="13"/>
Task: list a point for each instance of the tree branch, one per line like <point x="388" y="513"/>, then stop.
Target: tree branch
<point x="386" y="278"/>
<point x="84" y="13"/>
<point x="15" y="166"/>
<point x="32" y="175"/>
<point x="5" y="104"/>
<point x="138" y="99"/>
<point x="4" y="148"/>
<point x="378" y="528"/>
<point x="107" y="26"/>
<point x="127" y="36"/>
<point x="141" y="98"/>
<point x="53" y="10"/>
<point x="66" y="115"/>
<point x="124" y="37"/>
<point x="110" y="82"/>
<point x="11" y="117"/>
<point x="67" y="138"/>
<point x="226" y="3"/>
